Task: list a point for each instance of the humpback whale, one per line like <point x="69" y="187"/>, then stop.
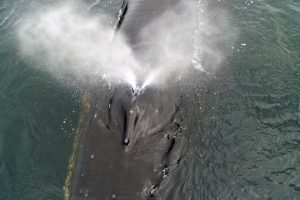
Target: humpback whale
<point x="129" y="144"/>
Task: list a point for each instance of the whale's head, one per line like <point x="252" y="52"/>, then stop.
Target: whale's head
<point x="130" y="146"/>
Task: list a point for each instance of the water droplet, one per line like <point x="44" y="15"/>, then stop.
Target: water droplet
<point x="153" y="189"/>
<point x="126" y="141"/>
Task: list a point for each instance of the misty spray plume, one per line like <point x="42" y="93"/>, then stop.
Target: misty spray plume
<point x="72" y="45"/>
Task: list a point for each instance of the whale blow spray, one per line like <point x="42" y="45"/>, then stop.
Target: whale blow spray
<point x="72" y="45"/>
<point x="75" y="46"/>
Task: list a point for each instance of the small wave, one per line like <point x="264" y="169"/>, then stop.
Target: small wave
<point x="6" y="18"/>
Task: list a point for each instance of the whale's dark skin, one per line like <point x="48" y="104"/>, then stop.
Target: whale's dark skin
<point x="129" y="146"/>
<point x="131" y="143"/>
<point x="141" y="13"/>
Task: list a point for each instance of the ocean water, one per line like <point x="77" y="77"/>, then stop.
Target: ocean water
<point x="249" y="144"/>
<point x="256" y="127"/>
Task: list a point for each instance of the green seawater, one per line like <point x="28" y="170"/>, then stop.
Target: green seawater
<point x="253" y="127"/>
<point x="254" y="150"/>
